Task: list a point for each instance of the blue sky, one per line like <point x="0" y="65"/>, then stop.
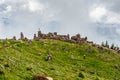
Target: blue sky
<point x="99" y="20"/>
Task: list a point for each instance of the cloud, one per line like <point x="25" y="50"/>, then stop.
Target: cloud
<point x="2" y="1"/>
<point x="25" y="16"/>
<point x="97" y="19"/>
<point x="34" y="5"/>
<point x="113" y="18"/>
<point x="98" y="13"/>
<point x="102" y="15"/>
<point x="5" y="9"/>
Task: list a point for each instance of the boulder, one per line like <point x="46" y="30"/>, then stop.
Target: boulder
<point x="38" y="77"/>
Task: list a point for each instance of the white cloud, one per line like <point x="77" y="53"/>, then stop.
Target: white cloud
<point x="2" y="1"/>
<point x="118" y="30"/>
<point x="1" y="27"/>
<point x="34" y="5"/>
<point x="97" y="13"/>
<point x="63" y="16"/>
<point x="112" y="18"/>
<point x="105" y="16"/>
<point x="8" y="9"/>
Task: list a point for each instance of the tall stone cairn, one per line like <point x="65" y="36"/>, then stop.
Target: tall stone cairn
<point x="39" y="34"/>
<point x="14" y="38"/>
<point x="21" y="36"/>
<point x="78" y="36"/>
<point x="35" y="37"/>
<point x="68" y="36"/>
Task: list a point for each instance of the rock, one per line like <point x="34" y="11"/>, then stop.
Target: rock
<point x="49" y="57"/>
<point x="14" y="38"/>
<point x="52" y="68"/>
<point x="39" y="54"/>
<point x="21" y="36"/>
<point x="53" y="43"/>
<point x="82" y="69"/>
<point x="92" y="72"/>
<point x="49" y="78"/>
<point x="116" y="66"/>
<point x="55" y="33"/>
<point x="84" y="56"/>
<point x="100" y="47"/>
<point x="42" y="42"/>
<point x="38" y="77"/>
<point x="118" y="51"/>
<point x="89" y="49"/>
<point x="57" y="50"/>
<point x="67" y="49"/>
<point x="35" y="37"/>
<point x="29" y="68"/>
<point x="72" y="57"/>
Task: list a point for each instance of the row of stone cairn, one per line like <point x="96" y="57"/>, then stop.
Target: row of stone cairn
<point x="74" y="39"/>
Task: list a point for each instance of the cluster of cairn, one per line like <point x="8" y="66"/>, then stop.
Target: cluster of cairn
<point x="73" y="39"/>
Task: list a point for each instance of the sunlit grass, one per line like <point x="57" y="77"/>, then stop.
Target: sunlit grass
<point x="21" y="60"/>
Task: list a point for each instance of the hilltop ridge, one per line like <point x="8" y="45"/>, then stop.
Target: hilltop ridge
<point x="77" y="39"/>
<point x="61" y="58"/>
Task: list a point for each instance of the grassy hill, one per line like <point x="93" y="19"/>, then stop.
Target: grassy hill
<point x="21" y="60"/>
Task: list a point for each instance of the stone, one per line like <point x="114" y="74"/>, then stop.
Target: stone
<point x="38" y="77"/>
<point x="35" y="37"/>
<point x="21" y="36"/>
<point x="39" y="54"/>
<point x="84" y="56"/>
<point x="116" y="66"/>
<point x="72" y="57"/>
<point x="49" y="57"/>
<point x="14" y="38"/>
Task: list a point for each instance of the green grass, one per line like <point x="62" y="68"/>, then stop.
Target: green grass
<point x="17" y="56"/>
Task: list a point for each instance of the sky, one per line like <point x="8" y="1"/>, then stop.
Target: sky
<point x="99" y="20"/>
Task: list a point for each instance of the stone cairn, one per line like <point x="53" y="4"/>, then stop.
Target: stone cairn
<point x="74" y="39"/>
<point x="14" y="38"/>
<point x="21" y="36"/>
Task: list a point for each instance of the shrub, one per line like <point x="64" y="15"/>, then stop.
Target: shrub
<point x="6" y="65"/>
<point x="2" y="72"/>
<point x="81" y="75"/>
<point x="29" y="68"/>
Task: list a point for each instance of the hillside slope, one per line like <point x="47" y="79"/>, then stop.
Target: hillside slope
<point x="21" y="60"/>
